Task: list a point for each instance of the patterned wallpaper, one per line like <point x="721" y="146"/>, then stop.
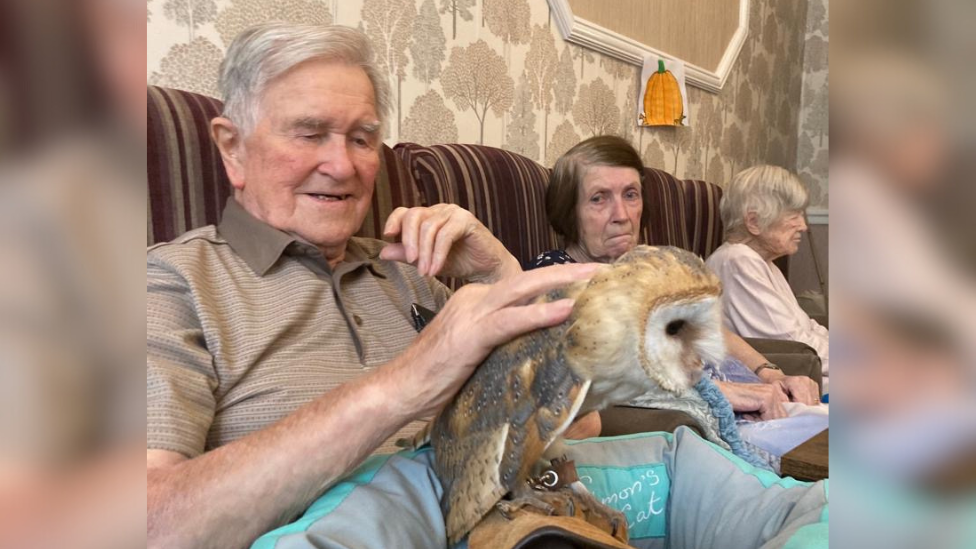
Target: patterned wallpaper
<point x="497" y="72"/>
<point x="814" y="144"/>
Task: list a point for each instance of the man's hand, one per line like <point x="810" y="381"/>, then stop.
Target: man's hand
<point x="474" y="321"/>
<point x="764" y="400"/>
<point x="800" y="389"/>
<point x="448" y="240"/>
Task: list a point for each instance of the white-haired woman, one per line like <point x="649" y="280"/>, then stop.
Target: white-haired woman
<point x="763" y="213"/>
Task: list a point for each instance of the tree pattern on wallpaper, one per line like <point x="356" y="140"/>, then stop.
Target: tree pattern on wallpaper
<point x="585" y="56"/>
<point x="564" y="92"/>
<point x="813" y="148"/>
<point x="191" y="66"/>
<point x="509" y="21"/>
<point x="476" y="78"/>
<point x="653" y="154"/>
<point x="563" y="139"/>
<point x="241" y="14"/>
<point x="735" y="145"/>
<point x="541" y="68"/>
<point x="497" y="72"/>
<point x="457" y="8"/>
<point x="708" y="134"/>
<point x="625" y="84"/>
<point x="429" y="121"/>
<point x="191" y="14"/>
<point x="197" y="56"/>
<point x="389" y="25"/>
<point x="521" y="136"/>
<point x="428" y="45"/>
<point x="596" y="109"/>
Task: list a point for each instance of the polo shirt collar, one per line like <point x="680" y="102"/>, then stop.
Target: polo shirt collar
<point x="260" y="245"/>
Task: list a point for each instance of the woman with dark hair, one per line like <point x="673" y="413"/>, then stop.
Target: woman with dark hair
<point x="595" y="202"/>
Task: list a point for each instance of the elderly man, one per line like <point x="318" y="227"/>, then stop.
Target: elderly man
<point x="280" y="348"/>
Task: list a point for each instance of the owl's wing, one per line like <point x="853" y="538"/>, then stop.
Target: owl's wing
<point x="488" y="438"/>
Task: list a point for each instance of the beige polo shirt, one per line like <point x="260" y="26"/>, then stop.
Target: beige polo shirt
<point x="246" y="323"/>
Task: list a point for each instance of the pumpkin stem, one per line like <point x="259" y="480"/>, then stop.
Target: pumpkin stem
<point x="660" y="66"/>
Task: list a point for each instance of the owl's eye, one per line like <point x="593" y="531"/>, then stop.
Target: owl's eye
<point x="674" y="327"/>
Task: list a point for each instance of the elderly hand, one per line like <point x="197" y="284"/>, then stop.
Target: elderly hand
<point x="448" y="240"/>
<point x="800" y="389"/>
<point x="474" y="321"/>
<point x="764" y="400"/>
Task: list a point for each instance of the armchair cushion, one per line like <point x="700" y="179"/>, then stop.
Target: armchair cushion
<point x="627" y="420"/>
<point x="793" y="357"/>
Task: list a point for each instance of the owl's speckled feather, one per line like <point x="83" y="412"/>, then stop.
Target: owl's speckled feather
<point x="648" y="319"/>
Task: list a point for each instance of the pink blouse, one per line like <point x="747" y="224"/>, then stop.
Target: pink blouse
<point x="757" y="300"/>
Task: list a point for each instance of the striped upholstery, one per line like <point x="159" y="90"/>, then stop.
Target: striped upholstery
<point x="187" y="182"/>
<point x="685" y="213"/>
<point x="506" y="191"/>
<point x="394" y="188"/>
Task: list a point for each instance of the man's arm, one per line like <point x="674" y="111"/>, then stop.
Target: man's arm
<point x="227" y="497"/>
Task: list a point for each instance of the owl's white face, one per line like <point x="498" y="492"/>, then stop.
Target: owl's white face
<point x="678" y="337"/>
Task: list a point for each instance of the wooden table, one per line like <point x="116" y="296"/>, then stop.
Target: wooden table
<point x="808" y="461"/>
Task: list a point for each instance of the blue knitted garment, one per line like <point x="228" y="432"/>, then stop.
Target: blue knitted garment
<point x="728" y="430"/>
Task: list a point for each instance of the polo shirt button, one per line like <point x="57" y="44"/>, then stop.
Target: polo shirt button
<point x="357" y="320"/>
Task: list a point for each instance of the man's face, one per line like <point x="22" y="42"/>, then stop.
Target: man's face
<point x="310" y="164"/>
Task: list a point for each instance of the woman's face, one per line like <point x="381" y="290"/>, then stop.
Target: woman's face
<point x="609" y="209"/>
<point x="783" y="236"/>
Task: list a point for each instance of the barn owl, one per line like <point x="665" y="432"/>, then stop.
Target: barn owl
<point x="647" y="320"/>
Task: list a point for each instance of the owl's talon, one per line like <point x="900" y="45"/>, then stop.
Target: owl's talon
<point x="508" y="508"/>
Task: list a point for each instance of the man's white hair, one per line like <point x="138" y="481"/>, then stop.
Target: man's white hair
<point x="769" y="191"/>
<point x="262" y="53"/>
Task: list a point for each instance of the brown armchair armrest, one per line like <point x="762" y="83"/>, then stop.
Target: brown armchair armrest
<point x="794" y="357"/>
<point x="627" y="420"/>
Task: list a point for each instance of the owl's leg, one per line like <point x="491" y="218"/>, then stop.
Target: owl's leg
<point x="529" y="497"/>
<point x="597" y="513"/>
<point x="551" y="502"/>
<point x="573" y="500"/>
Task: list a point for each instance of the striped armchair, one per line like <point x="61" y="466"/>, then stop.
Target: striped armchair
<point x="188" y="186"/>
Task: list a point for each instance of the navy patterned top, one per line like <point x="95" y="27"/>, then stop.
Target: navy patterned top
<point x="552" y="257"/>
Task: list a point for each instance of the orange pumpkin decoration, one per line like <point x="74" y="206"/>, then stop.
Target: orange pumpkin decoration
<point x="662" y="99"/>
